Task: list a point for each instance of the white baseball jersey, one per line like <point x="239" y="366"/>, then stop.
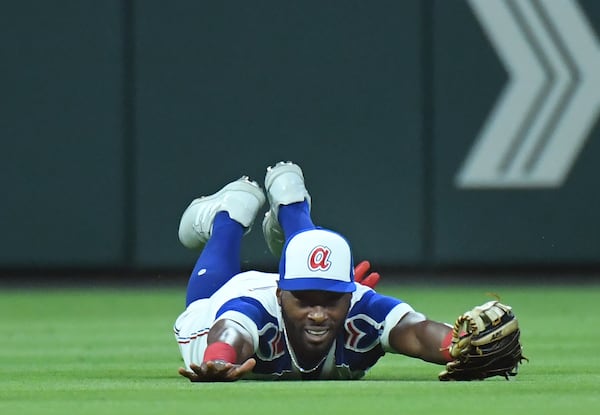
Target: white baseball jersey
<point x="249" y="299"/>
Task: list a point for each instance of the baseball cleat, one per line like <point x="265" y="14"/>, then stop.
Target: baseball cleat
<point x="284" y="184"/>
<point x="241" y="199"/>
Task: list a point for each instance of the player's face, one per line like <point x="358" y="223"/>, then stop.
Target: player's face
<point x="312" y="320"/>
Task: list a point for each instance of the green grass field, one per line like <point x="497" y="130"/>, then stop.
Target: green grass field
<point x="102" y="351"/>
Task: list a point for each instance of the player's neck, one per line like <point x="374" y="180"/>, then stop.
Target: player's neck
<point x="304" y="365"/>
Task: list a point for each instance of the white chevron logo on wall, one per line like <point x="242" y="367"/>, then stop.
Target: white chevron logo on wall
<point x="550" y="104"/>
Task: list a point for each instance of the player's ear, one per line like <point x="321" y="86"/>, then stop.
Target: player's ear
<point x="278" y="294"/>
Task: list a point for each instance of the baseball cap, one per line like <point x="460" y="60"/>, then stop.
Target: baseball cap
<point x="317" y="259"/>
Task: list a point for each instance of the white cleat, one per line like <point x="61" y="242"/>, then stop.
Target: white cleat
<point x="241" y="199"/>
<point x="273" y="233"/>
<point x="284" y="184"/>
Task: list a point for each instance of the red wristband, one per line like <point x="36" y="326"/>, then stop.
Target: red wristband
<point x="447" y="343"/>
<point x="220" y="351"/>
<point x="445" y="347"/>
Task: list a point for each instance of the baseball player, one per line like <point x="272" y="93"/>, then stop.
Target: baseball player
<point x="311" y="320"/>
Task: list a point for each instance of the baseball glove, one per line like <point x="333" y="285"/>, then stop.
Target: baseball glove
<point x="485" y="343"/>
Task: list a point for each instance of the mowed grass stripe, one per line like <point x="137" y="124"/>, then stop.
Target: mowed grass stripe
<point x="112" y="351"/>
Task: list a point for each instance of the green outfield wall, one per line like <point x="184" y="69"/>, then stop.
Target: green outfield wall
<point x="440" y="134"/>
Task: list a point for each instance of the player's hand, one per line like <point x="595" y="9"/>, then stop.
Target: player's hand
<point x="362" y="275"/>
<point x="217" y="371"/>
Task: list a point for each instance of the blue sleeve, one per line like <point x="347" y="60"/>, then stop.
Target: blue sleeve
<point x="249" y="307"/>
<point x="270" y="337"/>
<point x="375" y="305"/>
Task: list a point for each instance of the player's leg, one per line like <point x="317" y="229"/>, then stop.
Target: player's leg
<point x="295" y="217"/>
<point x="289" y="205"/>
<point x="216" y="224"/>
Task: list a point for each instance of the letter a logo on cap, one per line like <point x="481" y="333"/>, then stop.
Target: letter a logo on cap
<point x="318" y="259"/>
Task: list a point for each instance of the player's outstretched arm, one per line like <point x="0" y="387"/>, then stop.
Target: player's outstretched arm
<point x="416" y="336"/>
<point x="227" y="357"/>
<point x="484" y="342"/>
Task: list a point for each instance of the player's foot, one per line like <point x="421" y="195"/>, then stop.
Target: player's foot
<point x="241" y="199"/>
<point x="284" y="184"/>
